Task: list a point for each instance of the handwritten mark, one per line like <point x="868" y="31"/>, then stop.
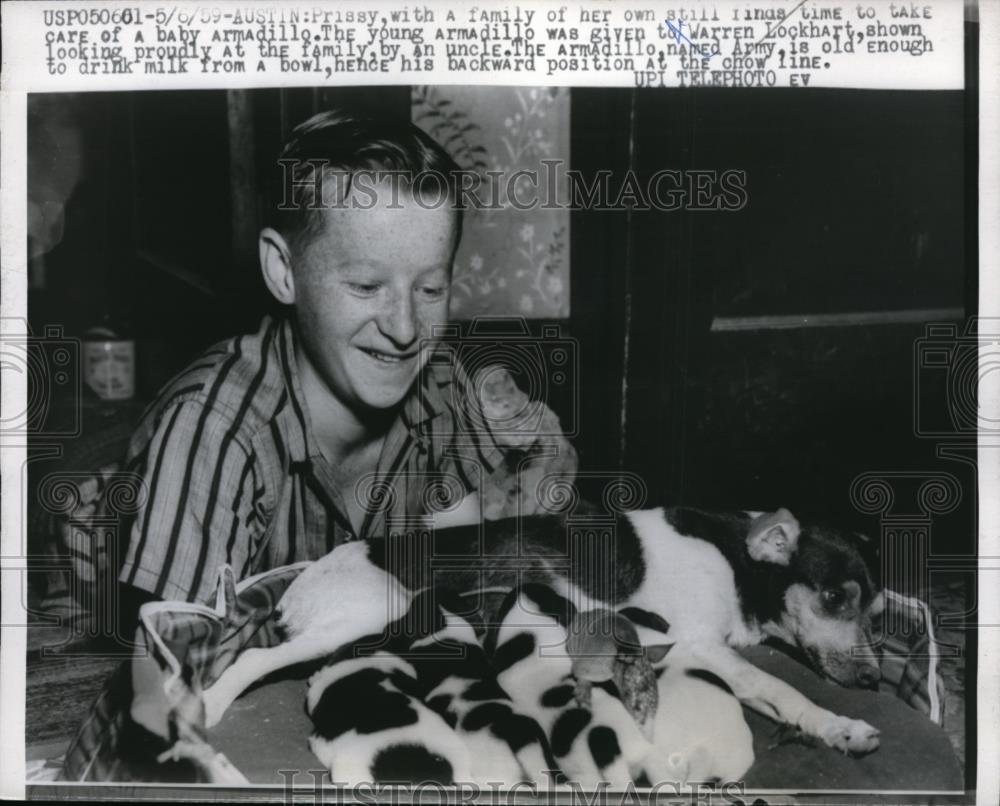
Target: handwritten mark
<point x="680" y="36"/>
<point x="771" y="30"/>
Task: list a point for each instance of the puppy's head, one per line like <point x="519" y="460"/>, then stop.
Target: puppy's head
<point x="829" y="596"/>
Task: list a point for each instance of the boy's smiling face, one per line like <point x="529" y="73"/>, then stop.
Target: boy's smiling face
<point x="369" y="287"/>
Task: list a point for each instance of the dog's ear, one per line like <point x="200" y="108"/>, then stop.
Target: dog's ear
<point x="773" y="537"/>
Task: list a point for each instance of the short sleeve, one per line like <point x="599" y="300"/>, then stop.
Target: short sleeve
<point x="201" y="505"/>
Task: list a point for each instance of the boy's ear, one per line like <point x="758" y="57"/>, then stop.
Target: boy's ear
<point x="276" y="266"/>
<point x="773" y="537"/>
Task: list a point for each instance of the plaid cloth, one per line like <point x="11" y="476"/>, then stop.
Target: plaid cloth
<point x="910" y="655"/>
<point x="129" y="724"/>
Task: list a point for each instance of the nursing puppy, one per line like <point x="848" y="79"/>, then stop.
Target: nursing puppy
<point x="721" y="581"/>
<point x="459" y="682"/>
<point x="699" y="724"/>
<point x="370" y="722"/>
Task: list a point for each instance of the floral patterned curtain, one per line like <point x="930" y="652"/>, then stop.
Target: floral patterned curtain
<point x="512" y="261"/>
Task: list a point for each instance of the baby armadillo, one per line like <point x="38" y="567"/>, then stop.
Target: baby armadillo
<point x="604" y="646"/>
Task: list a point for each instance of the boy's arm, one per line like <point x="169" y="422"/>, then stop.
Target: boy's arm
<point x="201" y="506"/>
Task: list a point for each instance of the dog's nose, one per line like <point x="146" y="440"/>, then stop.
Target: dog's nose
<point x="868" y="676"/>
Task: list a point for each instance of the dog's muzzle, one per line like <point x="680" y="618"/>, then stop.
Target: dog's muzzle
<point x="867" y="675"/>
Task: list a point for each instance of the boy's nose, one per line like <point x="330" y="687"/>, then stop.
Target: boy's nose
<point x="398" y="321"/>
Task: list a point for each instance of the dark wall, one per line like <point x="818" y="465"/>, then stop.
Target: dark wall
<point x="855" y="204"/>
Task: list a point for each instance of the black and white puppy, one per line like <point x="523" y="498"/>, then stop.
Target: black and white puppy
<point x="370" y="724"/>
<point x="721" y="581"/>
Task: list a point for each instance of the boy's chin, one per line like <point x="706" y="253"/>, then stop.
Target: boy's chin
<point x="383" y="399"/>
<point x="378" y="393"/>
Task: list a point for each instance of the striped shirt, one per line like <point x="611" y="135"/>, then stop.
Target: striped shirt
<point x="233" y="474"/>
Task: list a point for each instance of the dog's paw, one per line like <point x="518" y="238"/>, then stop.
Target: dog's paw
<point x="849" y="735"/>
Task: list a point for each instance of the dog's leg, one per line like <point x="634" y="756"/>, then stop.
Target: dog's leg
<point x="778" y="700"/>
<point x="253" y="665"/>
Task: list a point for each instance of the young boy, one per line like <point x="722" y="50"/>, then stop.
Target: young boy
<point x="330" y="421"/>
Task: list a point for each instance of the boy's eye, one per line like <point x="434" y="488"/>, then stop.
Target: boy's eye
<point x="364" y="288"/>
<point x="433" y="291"/>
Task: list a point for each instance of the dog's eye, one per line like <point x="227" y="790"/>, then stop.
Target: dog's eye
<point x="833" y="597"/>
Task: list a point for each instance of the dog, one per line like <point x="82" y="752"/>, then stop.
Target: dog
<point x="721" y="582"/>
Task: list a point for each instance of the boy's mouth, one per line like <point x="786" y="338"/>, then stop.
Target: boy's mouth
<point x="387" y="358"/>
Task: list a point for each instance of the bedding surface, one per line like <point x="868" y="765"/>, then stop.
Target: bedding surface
<point x="267" y="730"/>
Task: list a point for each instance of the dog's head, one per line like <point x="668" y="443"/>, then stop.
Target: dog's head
<point x="827" y="592"/>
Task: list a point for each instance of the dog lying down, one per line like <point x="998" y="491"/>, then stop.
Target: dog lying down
<point x="720" y="581"/>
